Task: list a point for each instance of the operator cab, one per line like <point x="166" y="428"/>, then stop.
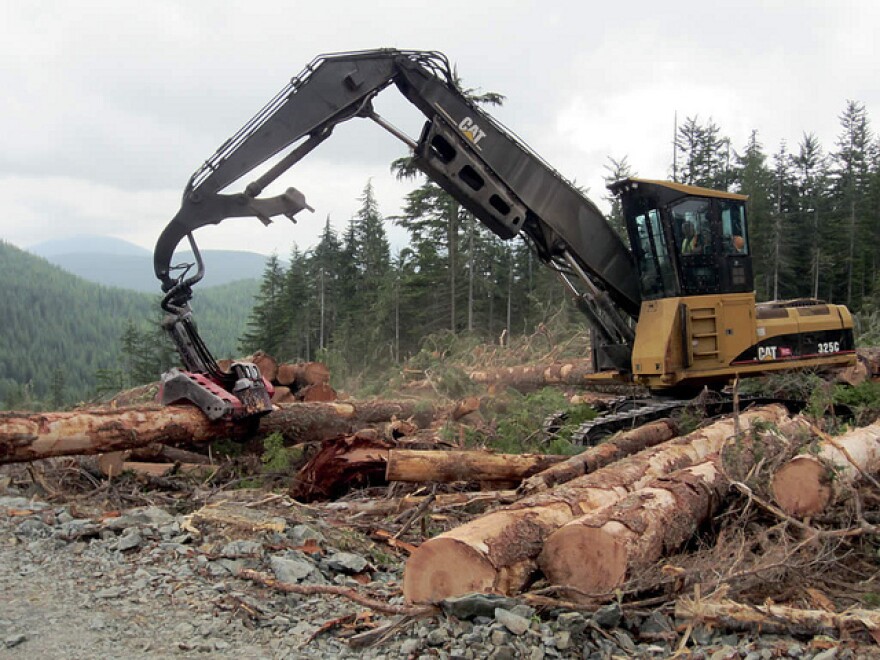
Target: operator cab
<point x="686" y="240"/>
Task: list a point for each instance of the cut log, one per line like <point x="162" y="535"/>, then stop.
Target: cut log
<point x="316" y="392"/>
<point x="465" y="407"/>
<point x="266" y="364"/>
<point x="286" y="373"/>
<point x="26" y="436"/>
<point x="283" y="395"/>
<point x="533" y="377"/>
<point x="305" y="422"/>
<point x="808" y="483"/>
<point x="497" y="552"/>
<point x="164" y="469"/>
<point x="159" y="452"/>
<point x="622" y="444"/>
<point x="773" y="619"/>
<point x="598" y="552"/>
<point x="470" y="502"/>
<point x="302" y="374"/>
<point x="312" y="373"/>
<point x="446" y="466"/>
<point x="112" y="463"/>
<point x="342" y="464"/>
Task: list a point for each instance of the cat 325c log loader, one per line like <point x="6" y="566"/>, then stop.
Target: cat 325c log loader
<point x="674" y="312"/>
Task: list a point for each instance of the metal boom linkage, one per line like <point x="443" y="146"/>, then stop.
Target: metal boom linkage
<point x="490" y="171"/>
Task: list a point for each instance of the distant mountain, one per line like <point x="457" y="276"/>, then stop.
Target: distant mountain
<point x="114" y="262"/>
<point x="86" y="243"/>
<point x="59" y="328"/>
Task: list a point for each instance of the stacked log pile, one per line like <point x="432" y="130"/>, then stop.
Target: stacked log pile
<point x="293" y="381"/>
<point x="498" y="552"/>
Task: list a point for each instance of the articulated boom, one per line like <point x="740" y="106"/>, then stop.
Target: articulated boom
<point x="489" y="171"/>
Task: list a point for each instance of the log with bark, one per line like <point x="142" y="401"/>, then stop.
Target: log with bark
<point x="598" y="552"/>
<point x="342" y="464"/>
<point x="26" y="436"/>
<point x="463" y="465"/>
<point x="497" y="552"/>
<point x="808" y="483"/>
<point x="283" y="395"/>
<point x="113" y="463"/>
<point x="468" y="501"/>
<point x="316" y="392"/>
<point x="776" y="619"/>
<point x="620" y="445"/>
<point x="368" y="460"/>
<point x="302" y="374"/>
<point x="533" y="377"/>
<point x="265" y="363"/>
<point x="301" y="422"/>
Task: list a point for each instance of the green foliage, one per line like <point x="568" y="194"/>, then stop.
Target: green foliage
<point x="226" y="447"/>
<point x="871" y="599"/>
<point x="863" y="400"/>
<point x="276" y="457"/>
<point x="514" y="423"/>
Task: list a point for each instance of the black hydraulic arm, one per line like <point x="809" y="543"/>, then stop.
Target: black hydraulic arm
<point x="483" y="165"/>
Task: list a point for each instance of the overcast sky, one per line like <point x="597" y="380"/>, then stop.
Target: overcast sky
<point x="110" y="106"/>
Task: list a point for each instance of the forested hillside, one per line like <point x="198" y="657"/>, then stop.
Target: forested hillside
<point x="58" y="331"/>
<point x="114" y="262"/>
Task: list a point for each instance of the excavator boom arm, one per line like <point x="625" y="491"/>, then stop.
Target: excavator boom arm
<point x="473" y="157"/>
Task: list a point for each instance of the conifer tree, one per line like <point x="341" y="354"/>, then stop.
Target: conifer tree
<point x="811" y="176"/>
<point x="752" y="177"/>
<point x="852" y="169"/>
<point x="266" y="324"/>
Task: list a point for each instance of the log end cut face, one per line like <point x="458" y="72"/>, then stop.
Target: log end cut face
<point x="802" y="486"/>
<point x="442" y="568"/>
<point x="590" y="559"/>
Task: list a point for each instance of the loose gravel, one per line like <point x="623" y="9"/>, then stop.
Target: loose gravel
<point x="153" y="584"/>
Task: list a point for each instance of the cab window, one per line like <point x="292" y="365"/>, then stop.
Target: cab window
<point x="691" y="224"/>
<point x="733" y="228"/>
<point x="655" y="267"/>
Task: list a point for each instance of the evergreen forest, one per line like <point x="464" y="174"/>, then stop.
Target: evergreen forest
<point x="62" y="338"/>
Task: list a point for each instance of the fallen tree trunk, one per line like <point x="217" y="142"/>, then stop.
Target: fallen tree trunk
<point x="497" y="552"/>
<point x="302" y="374"/>
<point x="467" y="500"/>
<point x="317" y="392"/>
<point x="113" y="463"/>
<point x="342" y="464"/>
<point x="30" y="436"/>
<point x="730" y="615"/>
<point x="164" y="469"/>
<point x="266" y="364"/>
<point x="808" y="483"/>
<point x="167" y="453"/>
<point x="623" y="444"/>
<point x="599" y="551"/>
<point x="533" y="377"/>
<point x="301" y="422"/>
<point x="445" y="466"/>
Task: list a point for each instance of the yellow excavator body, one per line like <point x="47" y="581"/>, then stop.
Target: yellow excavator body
<point x="713" y="339"/>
